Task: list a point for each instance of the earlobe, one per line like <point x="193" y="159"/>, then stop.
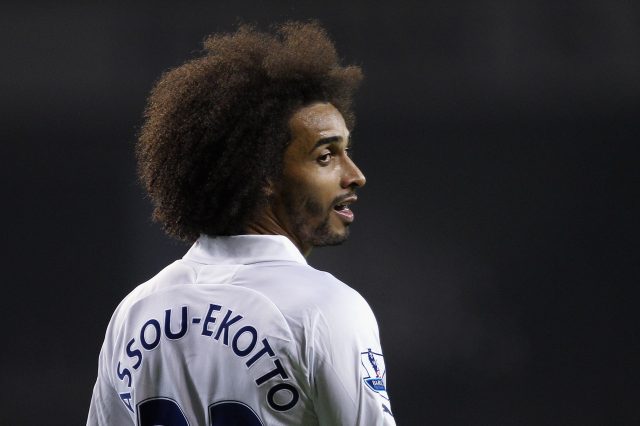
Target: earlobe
<point x="269" y="189"/>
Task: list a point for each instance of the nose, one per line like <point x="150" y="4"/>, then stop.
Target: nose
<point x="352" y="176"/>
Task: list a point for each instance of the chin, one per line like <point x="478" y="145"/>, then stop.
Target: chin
<point x="324" y="233"/>
<point x="329" y="238"/>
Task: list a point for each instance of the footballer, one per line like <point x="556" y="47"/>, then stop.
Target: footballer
<point x="245" y="154"/>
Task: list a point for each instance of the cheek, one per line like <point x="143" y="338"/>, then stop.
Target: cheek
<point x="320" y="193"/>
<point x="310" y="182"/>
<point x="311" y="185"/>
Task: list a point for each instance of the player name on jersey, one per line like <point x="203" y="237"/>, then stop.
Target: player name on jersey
<point x="230" y="331"/>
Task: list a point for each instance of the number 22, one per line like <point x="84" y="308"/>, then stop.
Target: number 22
<point x="167" y="412"/>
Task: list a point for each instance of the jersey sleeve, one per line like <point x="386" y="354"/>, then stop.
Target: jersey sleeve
<point x="349" y="374"/>
<point x="106" y="407"/>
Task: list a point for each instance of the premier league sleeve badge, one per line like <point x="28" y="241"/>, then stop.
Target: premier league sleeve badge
<point x="374" y="372"/>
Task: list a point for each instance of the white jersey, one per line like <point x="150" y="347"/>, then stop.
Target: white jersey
<point x="241" y="329"/>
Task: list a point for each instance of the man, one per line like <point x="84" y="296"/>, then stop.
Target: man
<point x="245" y="151"/>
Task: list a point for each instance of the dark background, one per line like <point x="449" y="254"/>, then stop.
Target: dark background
<point x="495" y="240"/>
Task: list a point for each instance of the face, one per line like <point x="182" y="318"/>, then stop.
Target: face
<point x="319" y="179"/>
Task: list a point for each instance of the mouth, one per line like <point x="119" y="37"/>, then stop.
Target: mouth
<point x="343" y="209"/>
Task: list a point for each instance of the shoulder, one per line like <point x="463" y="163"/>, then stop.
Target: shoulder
<point x="297" y="288"/>
<point x="173" y="275"/>
<point x="315" y="304"/>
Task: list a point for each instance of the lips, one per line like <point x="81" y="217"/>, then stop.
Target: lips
<point x="342" y="209"/>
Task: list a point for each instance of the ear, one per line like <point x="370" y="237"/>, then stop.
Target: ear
<point x="269" y="189"/>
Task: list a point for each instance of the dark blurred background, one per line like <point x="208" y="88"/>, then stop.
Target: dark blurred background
<point x="495" y="240"/>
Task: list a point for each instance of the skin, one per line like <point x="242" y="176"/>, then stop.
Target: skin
<point x="318" y="174"/>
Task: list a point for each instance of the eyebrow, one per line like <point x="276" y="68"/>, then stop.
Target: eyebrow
<point x="328" y="141"/>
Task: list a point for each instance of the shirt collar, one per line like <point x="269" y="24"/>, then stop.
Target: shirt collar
<point x="244" y="249"/>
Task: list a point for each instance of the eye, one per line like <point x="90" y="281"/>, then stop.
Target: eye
<point x="324" y="158"/>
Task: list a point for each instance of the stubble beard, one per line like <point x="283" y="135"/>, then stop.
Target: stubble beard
<point x="319" y="235"/>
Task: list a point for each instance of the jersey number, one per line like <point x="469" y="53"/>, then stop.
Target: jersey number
<point x="167" y="412"/>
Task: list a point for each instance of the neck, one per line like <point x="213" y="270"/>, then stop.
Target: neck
<point x="266" y="223"/>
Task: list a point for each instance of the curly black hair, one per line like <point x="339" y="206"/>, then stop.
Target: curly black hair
<point x="216" y="127"/>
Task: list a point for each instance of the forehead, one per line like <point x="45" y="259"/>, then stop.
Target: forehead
<point x="316" y="121"/>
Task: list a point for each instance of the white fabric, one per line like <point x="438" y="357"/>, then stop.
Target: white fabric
<point x="263" y="331"/>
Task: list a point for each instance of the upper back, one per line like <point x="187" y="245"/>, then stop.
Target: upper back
<point x="219" y="331"/>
